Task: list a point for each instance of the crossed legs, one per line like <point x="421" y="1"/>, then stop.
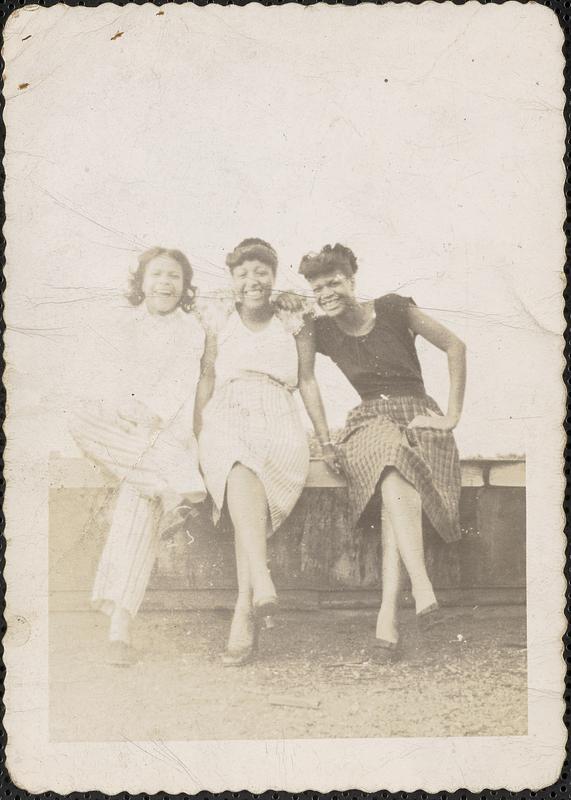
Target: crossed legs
<point x="402" y="544"/>
<point x="248" y="509"/>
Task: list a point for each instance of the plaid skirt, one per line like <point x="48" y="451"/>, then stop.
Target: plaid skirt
<point x="376" y="437"/>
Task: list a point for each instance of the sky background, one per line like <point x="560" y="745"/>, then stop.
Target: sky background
<point x="433" y="150"/>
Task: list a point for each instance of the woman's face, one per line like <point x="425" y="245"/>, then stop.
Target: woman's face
<point x="162" y="285"/>
<point x="334" y="292"/>
<point x="253" y="283"/>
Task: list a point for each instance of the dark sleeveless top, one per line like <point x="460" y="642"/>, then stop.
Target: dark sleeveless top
<point x="382" y="362"/>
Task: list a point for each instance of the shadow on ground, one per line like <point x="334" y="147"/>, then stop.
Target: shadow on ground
<point x="466" y="677"/>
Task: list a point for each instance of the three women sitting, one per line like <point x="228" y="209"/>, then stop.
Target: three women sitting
<point x="397" y="445"/>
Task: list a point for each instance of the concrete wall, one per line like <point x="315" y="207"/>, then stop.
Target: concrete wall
<point x="315" y="557"/>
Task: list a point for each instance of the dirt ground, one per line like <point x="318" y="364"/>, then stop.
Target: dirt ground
<point x="466" y="677"/>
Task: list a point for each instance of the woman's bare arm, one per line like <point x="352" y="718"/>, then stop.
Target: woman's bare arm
<point x="311" y="393"/>
<point x="205" y="386"/>
<point x="443" y="338"/>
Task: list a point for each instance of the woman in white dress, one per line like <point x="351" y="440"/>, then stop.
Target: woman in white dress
<point x="137" y="423"/>
<point x="253" y="449"/>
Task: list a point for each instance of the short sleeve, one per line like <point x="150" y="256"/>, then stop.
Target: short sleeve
<point x="395" y="307"/>
<point x="214" y="310"/>
<point x="395" y="303"/>
<point x="293" y="321"/>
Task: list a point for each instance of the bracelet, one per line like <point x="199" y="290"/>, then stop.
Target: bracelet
<point x="326" y="444"/>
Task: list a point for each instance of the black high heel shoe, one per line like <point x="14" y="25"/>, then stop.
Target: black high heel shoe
<point x="266" y="605"/>
<point x="385" y="652"/>
<point x="265" y="611"/>
<point x="430" y="616"/>
<point x="243" y="653"/>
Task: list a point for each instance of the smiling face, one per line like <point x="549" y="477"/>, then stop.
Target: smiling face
<point x="334" y="292"/>
<point x="162" y="285"/>
<point x="253" y="283"/>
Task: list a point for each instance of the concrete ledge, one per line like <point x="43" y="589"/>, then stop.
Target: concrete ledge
<point x="507" y="474"/>
<point x="78" y="473"/>
<point x="317" y="561"/>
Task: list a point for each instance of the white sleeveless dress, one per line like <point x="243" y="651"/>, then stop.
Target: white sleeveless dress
<point x="252" y="418"/>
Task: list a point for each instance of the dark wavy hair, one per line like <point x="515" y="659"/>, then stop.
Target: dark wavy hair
<point x="135" y="293"/>
<point x="253" y="250"/>
<point x="329" y="259"/>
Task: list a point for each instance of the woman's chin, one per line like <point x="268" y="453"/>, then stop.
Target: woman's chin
<point x="332" y="311"/>
<point x="161" y="307"/>
<point x="256" y="303"/>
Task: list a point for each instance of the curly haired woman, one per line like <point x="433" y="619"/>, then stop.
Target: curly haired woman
<point x="396" y="445"/>
<point x="138" y="425"/>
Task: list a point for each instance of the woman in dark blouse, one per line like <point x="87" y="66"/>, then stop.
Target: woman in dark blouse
<point x="397" y="443"/>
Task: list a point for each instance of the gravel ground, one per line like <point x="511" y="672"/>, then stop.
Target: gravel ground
<point x="466" y="677"/>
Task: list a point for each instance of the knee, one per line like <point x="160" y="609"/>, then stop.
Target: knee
<point x="394" y="486"/>
<point x="390" y="479"/>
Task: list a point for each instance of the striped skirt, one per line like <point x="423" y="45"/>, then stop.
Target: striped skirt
<point x="255" y="422"/>
<point x="376" y="437"/>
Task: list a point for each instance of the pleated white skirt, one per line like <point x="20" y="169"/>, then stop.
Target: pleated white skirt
<point x="254" y="421"/>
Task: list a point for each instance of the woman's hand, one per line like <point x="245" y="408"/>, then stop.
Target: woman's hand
<point x="288" y="301"/>
<point x="434" y="421"/>
<point x="331" y="458"/>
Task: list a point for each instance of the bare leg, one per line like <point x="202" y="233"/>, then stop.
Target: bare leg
<point x="243" y="574"/>
<point x="404" y="508"/>
<point x="241" y="630"/>
<point x="248" y="509"/>
<point x="391" y="580"/>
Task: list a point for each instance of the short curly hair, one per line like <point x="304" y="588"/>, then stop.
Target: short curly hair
<point x="253" y="250"/>
<point x="135" y="294"/>
<point x="331" y="258"/>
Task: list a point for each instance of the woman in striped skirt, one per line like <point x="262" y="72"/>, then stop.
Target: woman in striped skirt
<point x="397" y="443"/>
<point x="138" y="425"/>
<point x="253" y="449"/>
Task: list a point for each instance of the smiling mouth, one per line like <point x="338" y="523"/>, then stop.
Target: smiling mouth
<point x="330" y="304"/>
<point x="254" y="293"/>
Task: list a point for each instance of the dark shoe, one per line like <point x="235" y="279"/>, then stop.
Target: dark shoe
<point x="385" y="652"/>
<point x="121" y="654"/>
<point x="177" y="519"/>
<point x="238" y="658"/>
<point x="265" y="611"/>
<point x="264" y="594"/>
<point x="430" y="616"/>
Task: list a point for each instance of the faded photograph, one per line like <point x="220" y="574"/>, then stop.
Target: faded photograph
<point x="289" y="291"/>
<point x="301" y="579"/>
